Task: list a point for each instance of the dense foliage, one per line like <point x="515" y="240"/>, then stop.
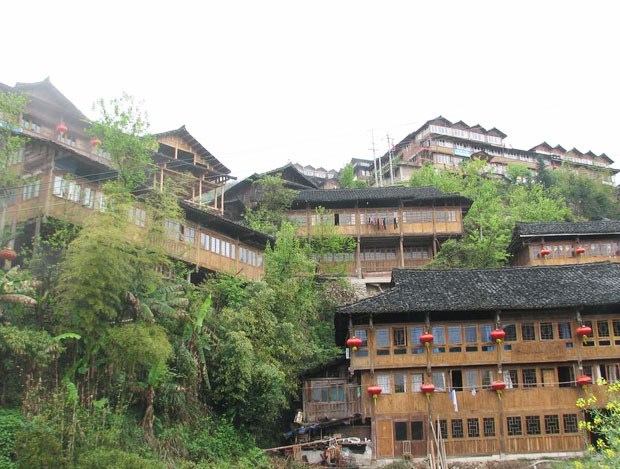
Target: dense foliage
<point x="526" y="196"/>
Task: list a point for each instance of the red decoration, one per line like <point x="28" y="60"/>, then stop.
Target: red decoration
<point x="498" y="387"/>
<point x="580" y="251"/>
<point x="498" y="335"/>
<point x="427" y="338"/>
<point x="545" y="252"/>
<point x="354" y="342"/>
<point x="62" y="128"/>
<point x="374" y="391"/>
<point x="584" y="332"/>
<point x="584" y="380"/>
<point x="95" y="141"/>
<point x="8" y="254"/>
<point x="428" y="389"/>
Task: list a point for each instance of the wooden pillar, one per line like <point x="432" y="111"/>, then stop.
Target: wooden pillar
<point x="200" y="192"/>
<point x="222" y="198"/>
<point x="358" y="258"/>
<point x="215" y="197"/>
<point x="161" y="177"/>
<point x="500" y="426"/>
<point x="401" y="251"/>
<point x="50" y="187"/>
<point x="176" y="153"/>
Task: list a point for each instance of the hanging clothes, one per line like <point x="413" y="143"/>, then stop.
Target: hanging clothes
<point x="455" y="404"/>
<point x="395" y="222"/>
<point x="384" y="224"/>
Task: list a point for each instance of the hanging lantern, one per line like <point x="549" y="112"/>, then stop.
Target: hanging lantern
<point x="427" y="339"/>
<point x="498" y="387"/>
<point x="95" y="142"/>
<point x="498" y="335"/>
<point x="61" y="128"/>
<point x="584" y="332"/>
<point x="580" y="251"/>
<point x="428" y="389"/>
<point x="374" y="391"/>
<point x="354" y="342"/>
<point x="8" y="254"/>
<point x="545" y="252"/>
<point x="583" y="381"/>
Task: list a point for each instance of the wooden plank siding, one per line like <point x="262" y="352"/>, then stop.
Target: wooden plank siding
<point x="529" y="253"/>
<point x="57" y="206"/>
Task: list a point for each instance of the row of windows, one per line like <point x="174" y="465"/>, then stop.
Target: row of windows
<point x="31" y="190"/>
<point x="29" y="124"/>
<point x="459" y="335"/>
<point x="476" y="428"/>
<point x="73" y="191"/>
<point x="381" y="217"/>
<point x="568" y="250"/>
<point x="385" y="254"/>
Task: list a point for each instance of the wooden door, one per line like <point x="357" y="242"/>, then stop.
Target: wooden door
<point x="548" y="377"/>
<point x="385" y="439"/>
<point x="418" y="437"/>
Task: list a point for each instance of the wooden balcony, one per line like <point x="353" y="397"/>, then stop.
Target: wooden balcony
<point x="330" y="399"/>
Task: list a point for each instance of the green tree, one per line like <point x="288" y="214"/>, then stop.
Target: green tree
<point x="347" y="178"/>
<point x="271" y="210"/>
<point x="543" y="175"/>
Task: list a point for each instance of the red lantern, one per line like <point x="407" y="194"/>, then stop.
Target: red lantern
<point x="580" y="251"/>
<point x="427" y="339"/>
<point x="61" y="128"/>
<point x="428" y="389"/>
<point x="498" y="335"/>
<point x="498" y="387"/>
<point x="374" y="391"/>
<point x="584" y="332"/>
<point x="8" y="254"/>
<point x="354" y="342"/>
<point x="583" y="381"/>
<point x="95" y="141"/>
<point x="545" y="252"/>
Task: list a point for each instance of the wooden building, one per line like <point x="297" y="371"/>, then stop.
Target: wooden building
<point x="65" y="170"/>
<point x="446" y="144"/>
<point x="393" y="226"/>
<point x="536" y="309"/>
<point x="554" y="243"/>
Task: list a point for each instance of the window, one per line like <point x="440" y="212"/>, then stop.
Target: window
<point x="471" y="379"/>
<point x="173" y="229"/>
<point x="457" y="428"/>
<point x="511" y="332"/>
<point x="564" y="330"/>
<point x="102" y="202"/>
<point x="89" y="197"/>
<point x="528" y="332"/>
<point x="385" y="383"/>
<point x="454" y="334"/>
<point x="443" y="159"/>
<point x="383" y="337"/>
<point x="471" y="334"/>
<point x="440" y="335"/>
<point x="546" y="331"/>
<point x="439" y="380"/>
<point x="511" y="378"/>
<point x="487" y="378"/>
<point x="138" y="216"/>
<point x="204" y="241"/>
<point x="570" y="423"/>
<point x="473" y="428"/>
<point x="400" y="382"/>
<point x="529" y="378"/>
<point x="73" y="192"/>
<point x="456" y="379"/>
<point x="514" y="426"/>
<point x="361" y="334"/>
<point x="31" y="190"/>
<point x="59" y="186"/>
<point x="532" y="425"/>
<point x="552" y="425"/>
<point x="443" y="428"/>
<point x="400" y="431"/>
<point x="602" y="328"/>
<point x="416" y="382"/>
<point x="399" y="336"/>
<point x="489" y="426"/>
<point x="417" y="431"/>
<point x="414" y="335"/>
<point x="485" y="332"/>
<point x="188" y="232"/>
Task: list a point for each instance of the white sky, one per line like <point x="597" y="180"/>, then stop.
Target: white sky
<point x="260" y="83"/>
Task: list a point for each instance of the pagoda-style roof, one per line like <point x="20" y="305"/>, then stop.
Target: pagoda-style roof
<point x="478" y="127"/>
<point x="574" y="151"/>
<point x="46" y="91"/>
<point x="511" y="288"/>
<point x="461" y="125"/>
<point x="496" y="132"/>
<point x="378" y="194"/>
<point x="605" y="157"/>
<point x="560" y="148"/>
<point x="184" y="134"/>
<point x="544" y="145"/>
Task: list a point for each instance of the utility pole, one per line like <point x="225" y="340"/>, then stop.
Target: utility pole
<point x="374" y="157"/>
<point x="390" y="158"/>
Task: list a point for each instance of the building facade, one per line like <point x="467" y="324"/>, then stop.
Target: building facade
<point x="393" y="226"/>
<point x="65" y="170"/>
<point x="537" y="363"/>
<point x="554" y="243"/>
<point x="446" y="145"/>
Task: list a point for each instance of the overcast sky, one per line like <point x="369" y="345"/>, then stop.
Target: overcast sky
<point x="261" y="83"/>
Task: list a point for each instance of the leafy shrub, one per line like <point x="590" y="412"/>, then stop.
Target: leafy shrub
<point x="38" y="446"/>
<point x="107" y="458"/>
<point x="11" y="421"/>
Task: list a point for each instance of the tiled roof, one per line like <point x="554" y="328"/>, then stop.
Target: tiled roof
<point x="567" y="228"/>
<point x="513" y="288"/>
<point x="376" y="193"/>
